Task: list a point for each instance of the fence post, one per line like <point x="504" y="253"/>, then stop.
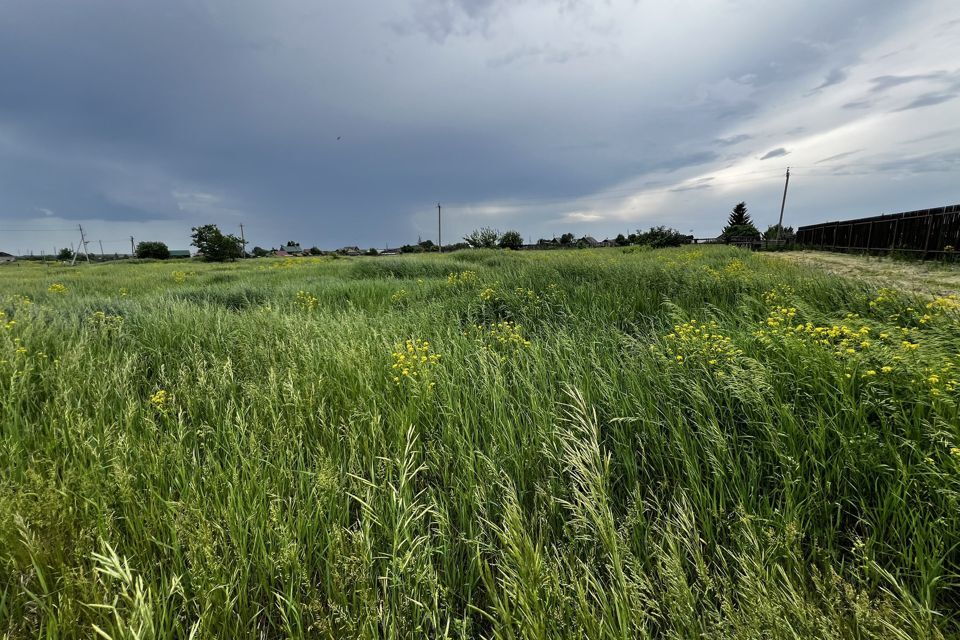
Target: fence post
<point x="926" y="244"/>
<point x="869" y="235"/>
<point x="893" y="240"/>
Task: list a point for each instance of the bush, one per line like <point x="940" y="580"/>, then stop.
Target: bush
<point x="658" y="237"/>
<point x="154" y="250"/>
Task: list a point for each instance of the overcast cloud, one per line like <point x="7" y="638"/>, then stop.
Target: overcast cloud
<point x="344" y="123"/>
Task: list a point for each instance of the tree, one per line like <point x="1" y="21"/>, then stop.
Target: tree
<point x="739" y="224"/>
<point x="155" y="250"/>
<point x="483" y="238"/>
<point x="259" y="252"/>
<point x="511" y="240"/>
<point x="567" y="238"/>
<point x="774" y="232"/>
<point x="214" y="245"/>
<point x="65" y="254"/>
<point x="372" y="251"/>
<point x="315" y="251"/>
<point x="739" y="215"/>
<point x="621" y="240"/>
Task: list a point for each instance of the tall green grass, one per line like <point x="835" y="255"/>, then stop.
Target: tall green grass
<point x="612" y="444"/>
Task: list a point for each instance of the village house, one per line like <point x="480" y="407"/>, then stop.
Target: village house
<point x="6" y="257"/>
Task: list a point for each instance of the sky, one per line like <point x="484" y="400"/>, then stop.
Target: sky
<point x="345" y="123"/>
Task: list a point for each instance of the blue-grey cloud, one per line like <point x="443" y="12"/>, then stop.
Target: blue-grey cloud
<point x="732" y="140"/>
<point x="179" y="113"/>
<point x="838" y="156"/>
<point x="885" y="83"/>
<point x="928" y="100"/>
<point x="775" y="153"/>
<point x="834" y="77"/>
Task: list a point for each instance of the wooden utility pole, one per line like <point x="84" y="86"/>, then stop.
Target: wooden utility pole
<point x="133" y="249"/>
<point x="783" y="204"/>
<point x="82" y="247"/>
<point x="439" y="231"/>
<point x="101" y="248"/>
<point x="243" y="241"/>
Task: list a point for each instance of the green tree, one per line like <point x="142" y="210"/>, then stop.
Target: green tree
<point x="214" y="245"/>
<point x="511" y="240"/>
<point x="483" y="238"/>
<point x="774" y="231"/>
<point x="739" y="224"/>
<point x="65" y="254"/>
<point x="259" y="252"/>
<point x="739" y="215"/>
<point x="567" y="238"/>
<point x="155" y="250"/>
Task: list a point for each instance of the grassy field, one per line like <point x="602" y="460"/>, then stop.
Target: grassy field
<point x="689" y="443"/>
<point x="933" y="277"/>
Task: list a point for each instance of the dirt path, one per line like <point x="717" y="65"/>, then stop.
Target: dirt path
<point x="931" y="277"/>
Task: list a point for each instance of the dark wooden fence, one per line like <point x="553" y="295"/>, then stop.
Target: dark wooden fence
<point x="928" y="232"/>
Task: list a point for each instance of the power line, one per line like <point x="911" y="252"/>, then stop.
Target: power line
<point x="38" y="229"/>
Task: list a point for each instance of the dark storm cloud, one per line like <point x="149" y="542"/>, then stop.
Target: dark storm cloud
<point x="776" y="153"/>
<point x="229" y="112"/>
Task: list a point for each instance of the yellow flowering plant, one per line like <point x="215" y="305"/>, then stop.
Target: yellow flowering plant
<point x="413" y="363"/>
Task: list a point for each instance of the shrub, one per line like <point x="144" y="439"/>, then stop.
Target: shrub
<point x="155" y="250"/>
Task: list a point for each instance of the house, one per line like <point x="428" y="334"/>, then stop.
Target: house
<point x="6" y="257"/>
<point x="589" y="241"/>
<point x="179" y="253"/>
<point x="293" y="248"/>
<point x="280" y="253"/>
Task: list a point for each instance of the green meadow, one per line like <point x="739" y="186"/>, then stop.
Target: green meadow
<point x="676" y="443"/>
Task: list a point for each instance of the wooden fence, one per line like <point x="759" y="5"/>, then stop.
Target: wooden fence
<point x="928" y="232"/>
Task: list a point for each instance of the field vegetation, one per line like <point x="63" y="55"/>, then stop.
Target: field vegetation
<point x="618" y="443"/>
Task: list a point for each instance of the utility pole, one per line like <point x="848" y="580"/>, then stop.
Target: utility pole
<point x="133" y="249"/>
<point x="439" y="235"/>
<point x="101" y="248"/>
<point x="243" y="241"/>
<point x="82" y="247"/>
<point x="782" y="205"/>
